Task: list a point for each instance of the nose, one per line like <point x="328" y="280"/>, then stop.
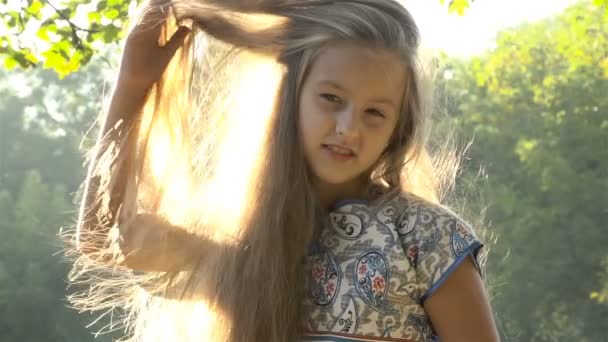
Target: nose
<point x="347" y="122"/>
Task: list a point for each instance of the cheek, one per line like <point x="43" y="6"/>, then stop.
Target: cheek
<point x="311" y="124"/>
<point x="378" y="143"/>
<point x="376" y="151"/>
<point x="306" y="127"/>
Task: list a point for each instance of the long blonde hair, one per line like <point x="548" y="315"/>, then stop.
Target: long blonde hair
<point x="216" y="151"/>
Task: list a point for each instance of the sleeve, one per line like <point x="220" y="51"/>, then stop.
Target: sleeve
<point x="444" y="242"/>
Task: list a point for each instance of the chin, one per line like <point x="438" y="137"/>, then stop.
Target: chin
<point x="335" y="178"/>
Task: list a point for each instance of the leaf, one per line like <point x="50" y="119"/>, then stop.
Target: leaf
<point x="10" y="63"/>
<point x="31" y="58"/>
<point x="13" y="17"/>
<point x="458" y="6"/>
<point x="604" y="66"/>
<point x="599" y="297"/>
<point x="51" y="59"/>
<point x="600" y="2"/>
<point x="94" y="16"/>
<point x="34" y="9"/>
<point x="23" y="58"/>
<point x="112" y="14"/>
<point x="102" y="5"/>
<point x="43" y="33"/>
<point x="110" y="33"/>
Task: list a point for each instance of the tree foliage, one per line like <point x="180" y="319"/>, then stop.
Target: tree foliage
<point x="536" y="106"/>
<point x="41" y="125"/>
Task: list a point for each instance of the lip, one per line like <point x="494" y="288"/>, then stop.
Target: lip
<point x="337" y="156"/>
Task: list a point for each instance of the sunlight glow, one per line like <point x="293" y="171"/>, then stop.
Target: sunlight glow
<point x="252" y="103"/>
<point x="202" y="322"/>
<point x="475" y="31"/>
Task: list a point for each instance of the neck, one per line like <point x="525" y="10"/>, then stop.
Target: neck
<point x="328" y="194"/>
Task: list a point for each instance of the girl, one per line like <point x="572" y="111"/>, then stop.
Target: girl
<point x="262" y="175"/>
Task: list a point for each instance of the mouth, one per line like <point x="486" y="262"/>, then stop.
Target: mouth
<point x="339" y="151"/>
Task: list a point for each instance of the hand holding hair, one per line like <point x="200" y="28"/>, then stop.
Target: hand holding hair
<point x="146" y="53"/>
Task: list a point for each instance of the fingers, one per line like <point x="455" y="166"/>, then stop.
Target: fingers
<point x="178" y="39"/>
<point x="174" y="43"/>
<point x="151" y="18"/>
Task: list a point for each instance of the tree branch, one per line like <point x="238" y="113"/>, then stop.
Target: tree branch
<point x="73" y="27"/>
<point x="66" y="18"/>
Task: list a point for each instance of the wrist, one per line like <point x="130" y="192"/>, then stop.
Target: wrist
<point x="131" y="87"/>
<point x="126" y="101"/>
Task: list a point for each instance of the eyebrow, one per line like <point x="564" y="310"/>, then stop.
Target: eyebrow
<point x="378" y="100"/>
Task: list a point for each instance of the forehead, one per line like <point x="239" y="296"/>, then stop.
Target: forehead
<point x="360" y="70"/>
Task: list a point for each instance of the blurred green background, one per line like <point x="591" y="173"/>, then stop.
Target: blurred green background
<point x="535" y="105"/>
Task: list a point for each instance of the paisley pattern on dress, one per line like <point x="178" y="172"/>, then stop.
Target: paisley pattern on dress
<point x="372" y="277"/>
<point x="386" y="219"/>
<point x="411" y="253"/>
<point x="346" y="225"/>
<point x="347" y="322"/>
<point x="419" y="323"/>
<point x="428" y="244"/>
<point x="325" y="277"/>
<point x="461" y="238"/>
<point x="407" y="221"/>
<point x="373" y="267"/>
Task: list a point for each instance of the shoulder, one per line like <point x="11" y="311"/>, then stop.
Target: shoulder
<point x="435" y="238"/>
<point x="414" y="215"/>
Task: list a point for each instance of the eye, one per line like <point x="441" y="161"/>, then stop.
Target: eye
<point x="331" y="98"/>
<point x="376" y="112"/>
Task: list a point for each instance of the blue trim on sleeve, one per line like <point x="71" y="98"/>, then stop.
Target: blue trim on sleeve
<point x="470" y="251"/>
<point x="337" y="205"/>
<point x="327" y="338"/>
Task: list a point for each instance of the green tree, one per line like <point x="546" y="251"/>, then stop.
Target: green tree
<point x="32" y="287"/>
<point x="42" y="122"/>
<point x="536" y="107"/>
<point x="61" y="35"/>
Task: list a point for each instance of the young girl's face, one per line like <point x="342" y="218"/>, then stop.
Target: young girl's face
<point x="349" y="107"/>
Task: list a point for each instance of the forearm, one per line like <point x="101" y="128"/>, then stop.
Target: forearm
<point x="151" y="244"/>
<point x="142" y="65"/>
<point x="125" y="104"/>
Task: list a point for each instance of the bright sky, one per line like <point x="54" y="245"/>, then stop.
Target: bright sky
<point x="457" y="35"/>
<point x="472" y="33"/>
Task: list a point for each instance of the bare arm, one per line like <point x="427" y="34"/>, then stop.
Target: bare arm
<point x="90" y="232"/>
<point x="123" y="112"/>
<point x="149" y="243"/>
<point x="460" y="310"/>
<point x="142" y="65"/>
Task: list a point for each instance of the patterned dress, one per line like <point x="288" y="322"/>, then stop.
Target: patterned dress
<point x="370" y="272"/>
